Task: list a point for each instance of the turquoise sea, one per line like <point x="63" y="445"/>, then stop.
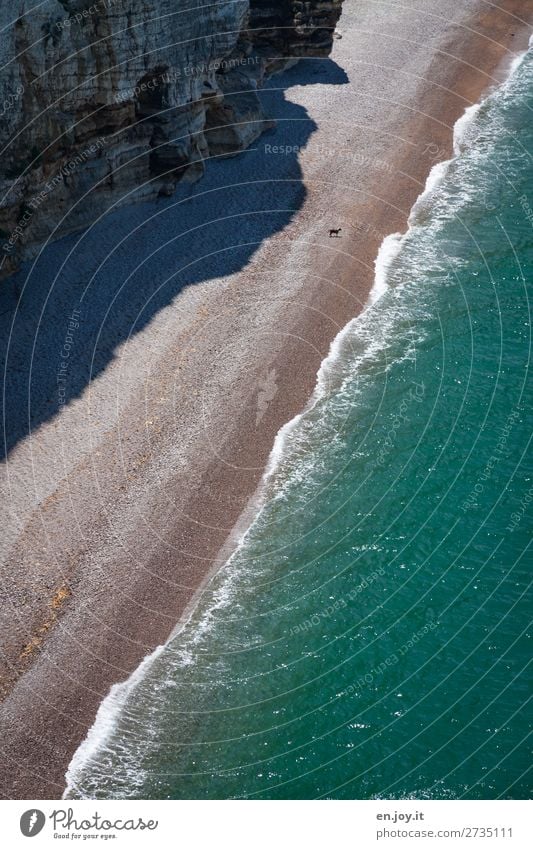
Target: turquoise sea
<point x="370" y="637"/>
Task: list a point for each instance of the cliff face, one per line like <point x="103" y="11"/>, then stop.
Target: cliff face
<point x="111" y="101"/>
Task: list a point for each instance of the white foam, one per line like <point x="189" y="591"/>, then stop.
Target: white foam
<point x="390" y="248"/>
<point x="388" y="251"/>
<point x="106" y="721"/>
<point x="463" y="125"/>
<point x="461" y="142"/>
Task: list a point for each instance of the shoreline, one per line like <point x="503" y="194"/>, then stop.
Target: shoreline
<point x="232" y="471"/>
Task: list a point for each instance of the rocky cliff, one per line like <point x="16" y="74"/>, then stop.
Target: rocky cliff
<point x="112" y="101"/>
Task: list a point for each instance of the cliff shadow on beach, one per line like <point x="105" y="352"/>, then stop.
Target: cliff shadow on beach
<point x="64" y="315"/>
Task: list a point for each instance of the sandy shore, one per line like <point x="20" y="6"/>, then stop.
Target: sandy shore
<point x="120" y="505"/>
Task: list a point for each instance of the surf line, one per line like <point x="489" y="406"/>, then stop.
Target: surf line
<point x="109" y="712"/>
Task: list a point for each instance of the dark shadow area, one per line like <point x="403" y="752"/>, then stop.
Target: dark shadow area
<point x="148" y="253"/>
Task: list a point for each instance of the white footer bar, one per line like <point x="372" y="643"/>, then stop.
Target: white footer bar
<point x="269" y="824"/>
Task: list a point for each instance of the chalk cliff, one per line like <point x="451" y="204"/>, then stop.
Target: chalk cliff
<point x="111" y="101"/>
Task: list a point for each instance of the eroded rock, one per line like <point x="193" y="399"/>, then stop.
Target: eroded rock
<point x="113" y="101"/>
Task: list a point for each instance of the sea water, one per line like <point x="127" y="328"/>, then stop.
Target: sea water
<point x="369" y="637"/>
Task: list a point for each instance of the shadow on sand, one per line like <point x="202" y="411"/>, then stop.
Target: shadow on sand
<point x="132" y="263"/>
